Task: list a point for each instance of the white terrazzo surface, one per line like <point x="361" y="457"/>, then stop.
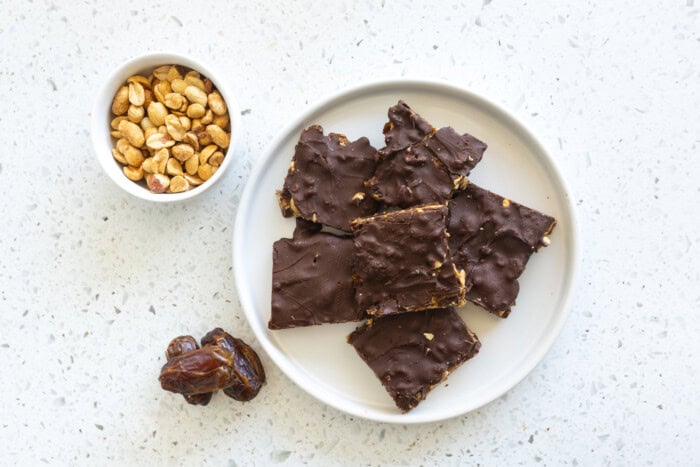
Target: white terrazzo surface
<point x="93" y="283"/>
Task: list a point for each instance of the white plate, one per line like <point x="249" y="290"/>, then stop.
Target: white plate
<point x="515" y="165"/>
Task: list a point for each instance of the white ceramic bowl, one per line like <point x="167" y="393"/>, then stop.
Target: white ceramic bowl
<point x="102" y="116"/>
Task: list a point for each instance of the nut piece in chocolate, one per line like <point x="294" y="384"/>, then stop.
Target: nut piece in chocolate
<point x="412" y="352"/>
<point x="492" y="238"/>
<point x="312" y="279"/>
<point x="402" y="262"/>
<point x="325" y="180"/>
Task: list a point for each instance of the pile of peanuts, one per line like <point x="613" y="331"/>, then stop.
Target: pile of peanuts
<point x="171" y="129"/>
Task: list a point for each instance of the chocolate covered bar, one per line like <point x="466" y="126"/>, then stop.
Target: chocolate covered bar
<point x="492" y="239"/>
<point x="402" y="262"/>
<point x="324" y="182"/>
<point x="312" y="279"/>
<point x="412" y="352"/>
<point x="421" y="164"/>
<point x="428" y="171"/>
<point x="404" y="128"/>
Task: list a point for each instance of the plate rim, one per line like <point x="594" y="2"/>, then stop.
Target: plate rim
<point x="279" y="357"/>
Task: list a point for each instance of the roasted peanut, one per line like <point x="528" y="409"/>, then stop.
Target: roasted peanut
<point x="149" y="165"/>
<point x="179" y="85"/>
<point x="136" y="94"/>
<point x="195" y="110"/>
<point x="221" y="121"/>
<point x="194" y="81"/>
<point x="185" y="122"/>
<point x="174" y="100"/>
<point x="119" y="157"/>
<point x="120" y="104"/>
<point x="219" y="136"/>
<point x="216" y="159"/>
<point x="135" y="113"/>
<point x="204" y="172"/>
<point x="148" y="132"/>
<point x="146" y="123"/>
<point x="173" y="167"/>
<point x="175" y="127"/>
<point x="207" y="153"/>
<point x="192" y="164"/>
<point x="142" y="80"/>
<point x="160" y="159"/>
<point x="193" y="180"/>
<point x="161" y="90"/>
<point x="173" y="74"/>
<point x="195" y="95"/>
<point x="133" y="173"/>
<point x="204" y="138"/>
<point x="216" y="103"/>
<point x="178" y="184"/>
<point x="133" y="156"/>
<point x="208" y="117"/>
<point x="182" y="152"/>
<point x="161" y="72"/>
<point x="159" y="141"/>
<point x="157" y="183"/>
<point x="115" y="122"/>
<point x="191" y="139"/>
<point x="148" y="98"/>
<point x="132" y="132"/>
<point x="157" y="113"/>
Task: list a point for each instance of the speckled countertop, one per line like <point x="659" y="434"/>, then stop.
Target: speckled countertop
<point x="93" y="282"/>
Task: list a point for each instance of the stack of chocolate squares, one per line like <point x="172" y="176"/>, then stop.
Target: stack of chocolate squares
<point x="398" y="237"/>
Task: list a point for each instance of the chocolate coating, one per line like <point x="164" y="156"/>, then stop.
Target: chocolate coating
<point x="404" y="128"/>
<point x="492" y="239"/>
<point x="312" y="279"/>
<point x="402" y="262"/>
<point x="325" y="181"/>
<point x="412" y="352"/>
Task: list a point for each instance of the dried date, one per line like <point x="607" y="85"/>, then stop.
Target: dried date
<point x="203" y="370"/>
<point x="180" y="346"/>
<point x="223" y="362"/>
<point x="246" y="364"/>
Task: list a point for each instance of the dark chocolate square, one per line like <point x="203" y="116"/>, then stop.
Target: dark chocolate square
<point x="412" y="352"/>
<point x="312" y="279"/>
<point x="325" y="181"/>
<point x="402" y="262"/>
<point x="492" y="239"/>
<point x="428" y="171"/>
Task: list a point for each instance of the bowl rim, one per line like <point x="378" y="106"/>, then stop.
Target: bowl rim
<point x="102" y="105"/>
<point x="245" y="205"/>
